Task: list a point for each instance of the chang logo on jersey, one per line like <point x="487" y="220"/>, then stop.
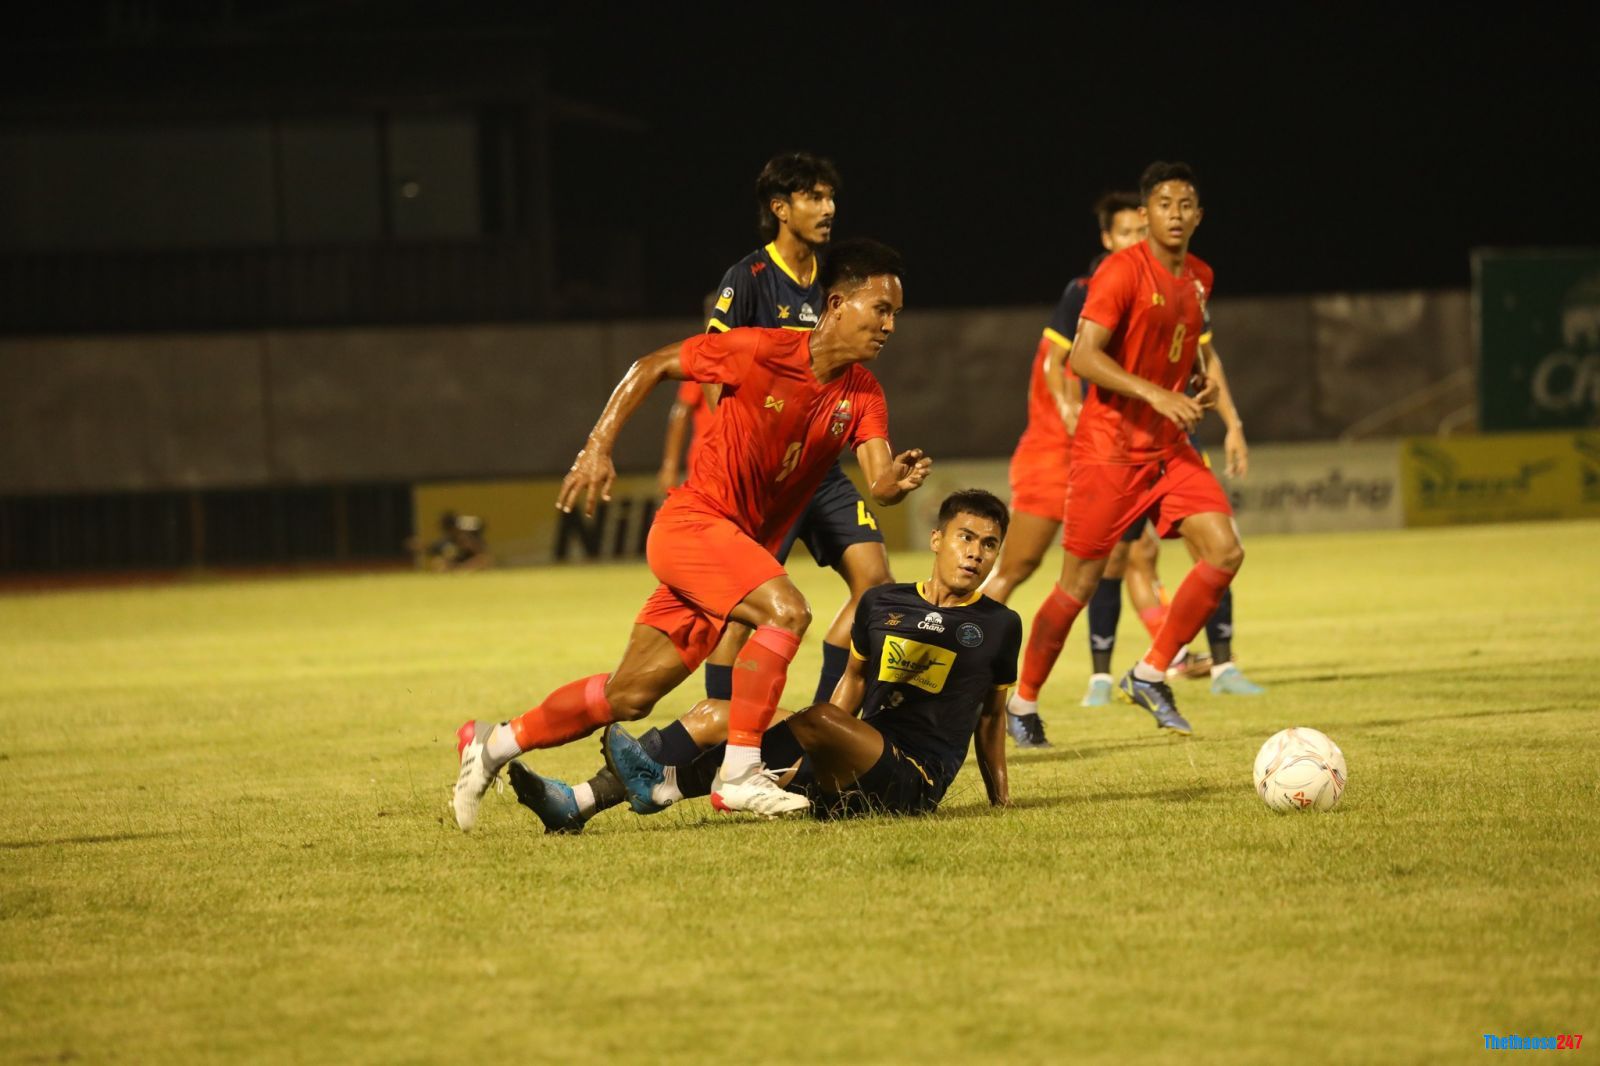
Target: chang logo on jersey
<point x="807" y="316"/>
<point x="934" y="623"/>
<point x="841" y="419"/>
<point x="911" y="662"/>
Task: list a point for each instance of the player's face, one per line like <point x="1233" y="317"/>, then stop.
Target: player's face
<point x="1173" y="212"/>
<point x="1127" y="229"/>
<point x="808" y="214"/>
<point x="964" y="552"/>
<point x="867" y="315"/>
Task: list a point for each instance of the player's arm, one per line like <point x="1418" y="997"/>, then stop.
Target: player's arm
<point x="677" y="433"/>
<point x="1091" y="363"/>
<point x="1069" y="400"/>
<point x="852" y="686"/>
<point x="593" y="473"/>
<point x="990" y="745"/>
<point x="1233" y="443"/>
<point x="891" y="477"/>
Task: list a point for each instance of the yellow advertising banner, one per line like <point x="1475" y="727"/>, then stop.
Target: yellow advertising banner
<point x="1500" y="478"/>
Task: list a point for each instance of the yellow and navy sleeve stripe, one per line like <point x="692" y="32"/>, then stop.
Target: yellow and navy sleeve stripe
<point x="856" y="653"/>
<point x="716" y="325"/>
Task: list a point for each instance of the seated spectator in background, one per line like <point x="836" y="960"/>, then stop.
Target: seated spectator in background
<point x="462" y="547"/>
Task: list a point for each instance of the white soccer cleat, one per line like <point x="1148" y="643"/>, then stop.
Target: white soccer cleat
<point x="475" y="776"/>
<point x="758" y="792"/>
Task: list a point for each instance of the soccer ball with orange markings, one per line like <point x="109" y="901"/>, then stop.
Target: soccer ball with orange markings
<point x="1300" y="770"/>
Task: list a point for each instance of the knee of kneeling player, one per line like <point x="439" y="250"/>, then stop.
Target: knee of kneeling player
<point x="813" y="724"/>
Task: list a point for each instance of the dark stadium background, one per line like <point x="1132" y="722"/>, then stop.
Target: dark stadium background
<point x="1340" y="150"/>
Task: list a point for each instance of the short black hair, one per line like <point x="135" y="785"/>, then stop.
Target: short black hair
<point x="784" y="175"/>
<point x="1158" y="172"/>
<point x="849" y="263"/>
<point x="1109" y="206"/>
<point x="978" y="502"/>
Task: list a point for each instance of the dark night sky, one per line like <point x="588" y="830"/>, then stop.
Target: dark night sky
<point x="1362" y="153"/>
<point x="1339" y="148"/>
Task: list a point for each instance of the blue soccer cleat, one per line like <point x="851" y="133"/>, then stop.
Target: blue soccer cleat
<point x="550" y="799"/>
<point x="1099" y="692"/>
<point x="1155" y="697"/>
<point x="637" y="771"/>
<point x="1232" y="682"/>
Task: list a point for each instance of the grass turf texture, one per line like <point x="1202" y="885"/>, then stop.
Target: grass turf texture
<point x="224" y="834"/>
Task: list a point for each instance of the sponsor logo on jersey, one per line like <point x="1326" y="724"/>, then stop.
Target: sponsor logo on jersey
<point x="725" y="301"/>
<point x="841" y="419"/>
<point x="969" y="634"/>
<point x="783" y="311"/>
<point x="911" y="662"/>
<point x="1157" y="300"/>
<point x="756" y="268"/>
<point x="933" y="623"/>
<point x="893" y="619"/>
<point x="774" y="404"/>
<point x="808" y="316"/>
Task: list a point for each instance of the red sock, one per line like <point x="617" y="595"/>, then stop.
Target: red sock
<point x="1197" y="598"/>
<point x="574" y="710"/>
<point x="1154" y="618"/>
<point x="1045" y="637"/>
<point x="758" y="676"/>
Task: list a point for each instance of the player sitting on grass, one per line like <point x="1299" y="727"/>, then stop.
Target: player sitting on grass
<point x="930" y="667"/>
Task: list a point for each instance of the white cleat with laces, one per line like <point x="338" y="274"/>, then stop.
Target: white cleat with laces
<point x="758" y="792"/>
<point x="475" y="776"/>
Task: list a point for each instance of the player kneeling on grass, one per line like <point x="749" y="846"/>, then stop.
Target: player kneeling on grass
<point x="930" y="667"/>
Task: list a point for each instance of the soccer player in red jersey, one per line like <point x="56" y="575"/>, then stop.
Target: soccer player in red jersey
<point x="791" y="401"/>
<point x="1137" y="346"/>
<point x="1039" y="464"/>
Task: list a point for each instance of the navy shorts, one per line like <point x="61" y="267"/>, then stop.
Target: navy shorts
<point x="896" y="784"/>
<point x="836" y="518"/>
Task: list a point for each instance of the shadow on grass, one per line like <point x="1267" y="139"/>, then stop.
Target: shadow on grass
<point x="1061" y="753"/>
<point x="1165" y="795"/>
<point x="104" y="838"/>
<point x="1385" y="723"/>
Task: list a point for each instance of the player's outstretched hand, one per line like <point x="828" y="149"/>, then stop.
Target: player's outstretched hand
<point x="592" y="475"/>
<point x="1183" y="411"/>
<point x="911" y="469"/>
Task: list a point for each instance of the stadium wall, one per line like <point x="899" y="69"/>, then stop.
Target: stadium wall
<point x="85" y="414"/>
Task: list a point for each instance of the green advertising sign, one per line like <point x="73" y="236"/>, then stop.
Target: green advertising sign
<point x="1538" y="338"/>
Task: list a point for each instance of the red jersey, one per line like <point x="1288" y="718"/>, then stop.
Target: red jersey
<point x="701" y="415"/>
<point x="777" y="429"/>
<point x="1156" y="321"/>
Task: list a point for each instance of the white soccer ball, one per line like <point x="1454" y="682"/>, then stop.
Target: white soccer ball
<point x="1300" y="770"/>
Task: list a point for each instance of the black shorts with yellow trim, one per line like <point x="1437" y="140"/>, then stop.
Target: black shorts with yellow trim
<point x="836" y="518"/>
<point x="896" y="784"/>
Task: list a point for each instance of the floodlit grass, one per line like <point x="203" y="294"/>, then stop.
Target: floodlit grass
<point x="224" y="834"/>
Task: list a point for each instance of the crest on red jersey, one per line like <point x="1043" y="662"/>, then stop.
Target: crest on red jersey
<point x="841" y="419"/>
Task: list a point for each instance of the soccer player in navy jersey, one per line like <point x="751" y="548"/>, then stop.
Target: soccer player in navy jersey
<point x="775" y="287"/>
<point x="931" y="666"/>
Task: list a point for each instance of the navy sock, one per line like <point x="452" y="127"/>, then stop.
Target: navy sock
<point x="650" y="741"/>
<point x="834" y="661"/>
<point x="719" y="682"/>
<point x="1219" y="629"/>
<point x="779" y="750"/>
<point x="677" y="747"/>
<point x="1105" y="611"/>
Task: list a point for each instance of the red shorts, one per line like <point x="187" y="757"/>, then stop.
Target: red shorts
<point x="1039" y="478"/>
<point x="706" y="565"/>
<point x="1105" y="499"/>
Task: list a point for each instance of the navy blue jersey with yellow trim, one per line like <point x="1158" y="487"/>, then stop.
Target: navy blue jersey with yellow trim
<point x="762" y="290"/>
<point x="930" y="670"/>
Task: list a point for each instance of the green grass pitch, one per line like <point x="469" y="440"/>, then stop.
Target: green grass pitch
<point x="224" y="835"/>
